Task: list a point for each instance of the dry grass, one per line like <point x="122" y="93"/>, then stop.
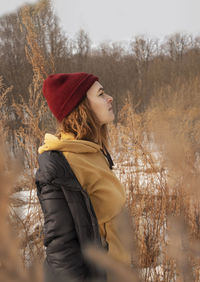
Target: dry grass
<point x="12" y="259"/>
<point x="158" y="161"/>
<point x="162" y="180"/>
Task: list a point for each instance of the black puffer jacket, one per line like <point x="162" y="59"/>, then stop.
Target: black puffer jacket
<point x="70" y="222"/>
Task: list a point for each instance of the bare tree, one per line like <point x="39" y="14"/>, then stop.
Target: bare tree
<point x="177" y="44"/>
<point x="82" y="47"/>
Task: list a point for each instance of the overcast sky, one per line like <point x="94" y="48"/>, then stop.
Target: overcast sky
<point x="119" y="20"/>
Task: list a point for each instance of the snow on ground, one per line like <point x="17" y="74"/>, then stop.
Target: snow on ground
<point x="29" y="202"/>
<point x="28" y="199"/>
<point x="141" y="173"/>
<point x="26" y="196"/>
<point x="25" y="207"/>
<point x="155" y="273"/>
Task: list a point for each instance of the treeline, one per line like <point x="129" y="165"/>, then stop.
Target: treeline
<point x="140" y="71"/>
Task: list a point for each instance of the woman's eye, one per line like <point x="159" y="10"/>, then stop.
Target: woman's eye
<point x="101" y="94"/>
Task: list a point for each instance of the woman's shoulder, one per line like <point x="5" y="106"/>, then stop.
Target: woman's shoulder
<point x="52" y="164"/>
<point x="49" y="160"/>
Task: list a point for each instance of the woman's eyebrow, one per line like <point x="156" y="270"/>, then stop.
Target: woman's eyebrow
<point x="101" y="89"/>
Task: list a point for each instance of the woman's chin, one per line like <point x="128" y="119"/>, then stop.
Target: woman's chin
<point x="111" y="119"/>
<point x="113" y="116"/>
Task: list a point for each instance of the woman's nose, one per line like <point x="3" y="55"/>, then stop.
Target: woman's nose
<point x="109" y="98"/>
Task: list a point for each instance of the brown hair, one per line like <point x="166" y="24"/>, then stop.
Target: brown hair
<point x="83" y="123"/>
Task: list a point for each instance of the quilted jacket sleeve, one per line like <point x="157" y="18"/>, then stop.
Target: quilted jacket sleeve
<point x="63" y="253"/>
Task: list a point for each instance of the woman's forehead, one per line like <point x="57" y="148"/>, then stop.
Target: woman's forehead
<point x="95" y="88"/>
<point x="98" y="85"/>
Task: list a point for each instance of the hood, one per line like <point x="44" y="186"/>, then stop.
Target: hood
<point x="67" y="143"/>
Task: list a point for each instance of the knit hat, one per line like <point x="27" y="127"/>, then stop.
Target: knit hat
<point x="64" y="91"/>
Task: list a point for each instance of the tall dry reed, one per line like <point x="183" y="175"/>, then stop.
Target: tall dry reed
<point x="12" y="264"/>
<point x="157" y="154"/>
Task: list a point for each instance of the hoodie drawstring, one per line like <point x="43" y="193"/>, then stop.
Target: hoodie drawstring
<point x="107" y="155"/>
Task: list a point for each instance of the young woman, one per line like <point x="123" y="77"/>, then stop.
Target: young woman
<point x="80" y="196"/>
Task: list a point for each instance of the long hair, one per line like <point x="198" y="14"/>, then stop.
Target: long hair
<point x="83" y="123"/>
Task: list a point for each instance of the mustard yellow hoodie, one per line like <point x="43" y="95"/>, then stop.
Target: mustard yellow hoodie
<point x="105" y="191"/>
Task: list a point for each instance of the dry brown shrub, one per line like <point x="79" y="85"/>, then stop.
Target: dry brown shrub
<point x="26" y="213"/>
<point x="157" y="156"/>
<point x="13" y="235"/>
<point x="12" y="268"/>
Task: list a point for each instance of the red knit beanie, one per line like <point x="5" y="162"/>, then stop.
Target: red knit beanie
<point x="64" y="91"/>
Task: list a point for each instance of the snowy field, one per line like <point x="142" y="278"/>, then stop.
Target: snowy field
<point x="26" y="202"/>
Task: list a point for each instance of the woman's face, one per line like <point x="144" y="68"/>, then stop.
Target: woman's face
<point x="100" y="103"/>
